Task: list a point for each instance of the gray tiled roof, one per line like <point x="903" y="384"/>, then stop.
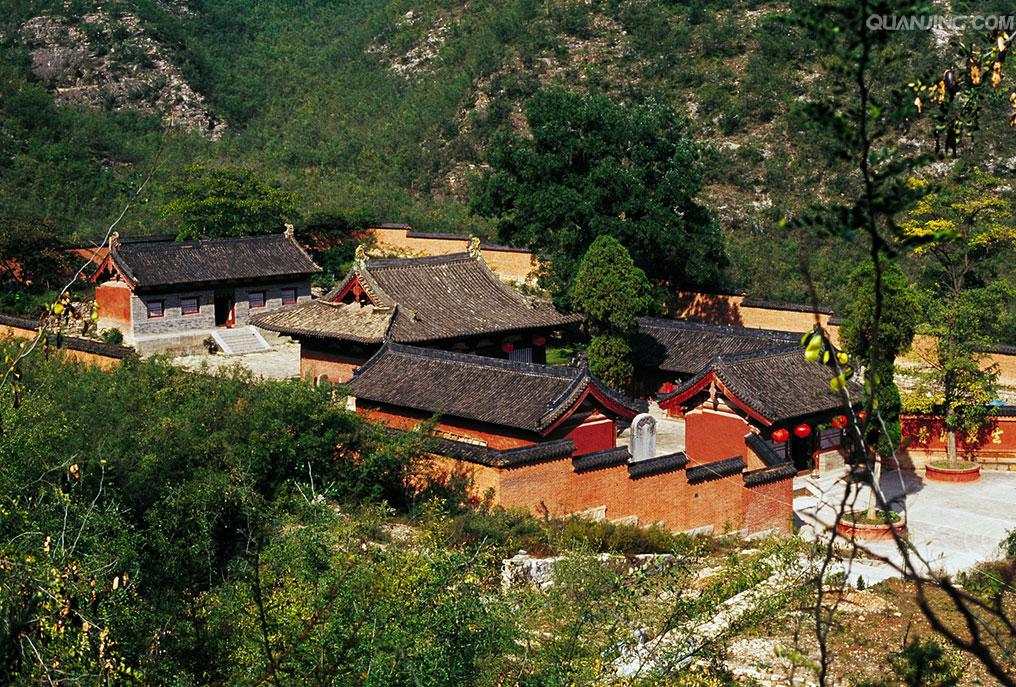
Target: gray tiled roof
<point x="491" y="457"/>
<point x="365" y="324"/>
<point x="776" y="473"/>
<point x="715" y="470"/>
<point x="606" y="458"/>
<point x="778" y="385"/>
<point x="501" y="392"/>
<point x="428" y="299"/>
<point x="761" y="448"/>
<point x="501" y="458"/>
<point x="155" y="263"/>
<point x="657" y="465"/>
<point x="686" y="347"/>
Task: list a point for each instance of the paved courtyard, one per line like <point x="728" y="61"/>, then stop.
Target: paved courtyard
<point x="669" y="432"/>
<point x="952" y="526"/>
<point x="281" y="362"/>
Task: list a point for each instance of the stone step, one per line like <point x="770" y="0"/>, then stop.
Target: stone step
<point x="240" y="341"/>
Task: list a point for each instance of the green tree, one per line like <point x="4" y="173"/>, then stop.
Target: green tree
<point x="34" y="257"/>
<point x="610" y="359"/>
<point x="955" y="377"/>
<point x="331" y="239"/>
<point x="964" y="232"/>
<point x="877" y="330"/>
<point x="212" y="202"/>
<point x="178" y="486"/>
<point x="966" y="236"/>
<point x="612" y="293"/>
<point x="609" y="289"/>
<point x="925" y="663"/>
<point x="595" y="167"/>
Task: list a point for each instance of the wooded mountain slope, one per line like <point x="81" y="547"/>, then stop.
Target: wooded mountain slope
<point x="384" y="109"/>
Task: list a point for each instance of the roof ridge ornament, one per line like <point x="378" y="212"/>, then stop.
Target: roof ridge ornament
<point x="581" y="361"/>
<point x="289" y="231"/>
<point x="474" y="247"/>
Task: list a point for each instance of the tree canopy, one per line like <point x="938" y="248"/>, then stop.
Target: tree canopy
<point x="897" y="322"/>
<point x="612" y="293"/>
<point x="34" y="257"/>
<point x="956" y="378"/>
<point x="596" y="167"/>
<point x="609" y="289"/>
<point x="966" y="237"/>
<point x="213" y="202"/>
<point x="870" y="331"/>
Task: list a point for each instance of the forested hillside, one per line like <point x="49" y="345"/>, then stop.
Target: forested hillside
<point x="387" y="110"/>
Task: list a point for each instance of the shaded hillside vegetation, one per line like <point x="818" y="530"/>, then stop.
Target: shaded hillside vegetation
<point x="386" y="109"/>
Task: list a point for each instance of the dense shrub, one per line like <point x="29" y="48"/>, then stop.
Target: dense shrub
<point x="111" y="336"/>
<point x="509" y="531"/>
<point x="154" y="486"/>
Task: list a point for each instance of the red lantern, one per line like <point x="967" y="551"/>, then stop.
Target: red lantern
<point x="802" y="431"/>
<point x="507" y="347"/>
<point x="840" y="421"/>
<point x="780" y="435"/>
<point x="539" y="341"/>
<point x="862" y="416"/>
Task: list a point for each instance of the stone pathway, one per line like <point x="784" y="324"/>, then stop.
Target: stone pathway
<point x="678" y="648"/>
<point x="952" y="526"/>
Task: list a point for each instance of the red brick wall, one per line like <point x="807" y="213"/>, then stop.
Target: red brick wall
<point x="401" y="418"/>
<point x="114" y="301"/>
<point x="769" y="506"/>
<point x="554" y="488"/>
<point x="928" y="432"/>
<point x="596" y="433"/>
<point x="924" y="440"/>
<point x="482" y="480"/>
<point x="339" y="367"/>
<point x="713" y="434"/>
<point x="717" y="502"/>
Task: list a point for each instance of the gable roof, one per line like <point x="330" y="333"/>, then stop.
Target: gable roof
<point x="686" y="347"/>
<point x="362" y="324"/>
<point x="164" y="262"/>
<point x="525" y="396"/>
<point x="429" y="299"/>
<point x="772" y="387"/>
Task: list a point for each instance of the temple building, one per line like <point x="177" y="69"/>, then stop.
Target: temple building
<point x="673" y="351"/>
<point x="775" y="398"/>
<point x="546" y="439"/>
<point x="451" y="302"/>
<point x="168" y="295"/>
